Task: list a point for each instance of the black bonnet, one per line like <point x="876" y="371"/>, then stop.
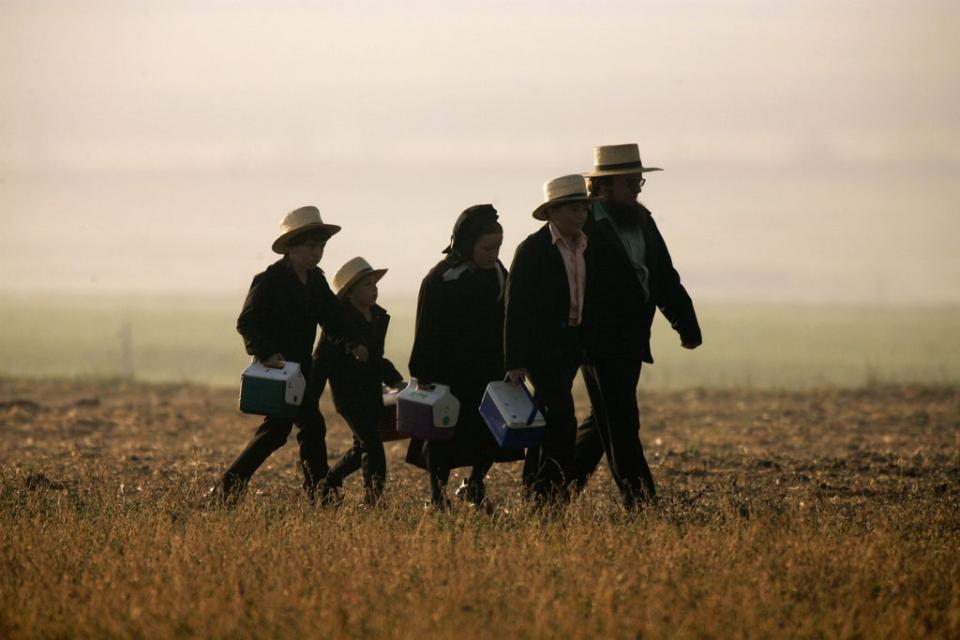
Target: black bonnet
<point x="474" y="222"/>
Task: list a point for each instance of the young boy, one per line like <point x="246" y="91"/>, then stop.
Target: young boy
<point x="357" y="386"/>
<point x="542" y="332"/>
<point x="279" y="323"/>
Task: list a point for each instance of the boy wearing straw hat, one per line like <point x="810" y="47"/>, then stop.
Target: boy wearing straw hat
<point x="543" y="339"/>
<point x="279" y="323"/>
<point x="357" y="386"/>
<point x="635" y="276"/>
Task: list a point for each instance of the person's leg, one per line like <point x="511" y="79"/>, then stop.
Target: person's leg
<point x="531" y="465"/>
<point x="593" y="436"/>
<point x="374" y="466"/>
<point x="369" y="444"/>
<point x="618" y="381"/>
<point x="270" y="436"/>
<point x="553" y="392"/>
<point x="479" y="471"/>
<point x="312" y="437"/>
<point x="556" y="453"/>
<point x="557" y="446"/>
<point x="436" y="456"/>
<point x="589" y="449"/>
<point x="473" y="489"/>
<point x="347" y="464"/>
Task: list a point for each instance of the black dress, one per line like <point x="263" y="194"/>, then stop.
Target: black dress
<point x="459" y="342"/>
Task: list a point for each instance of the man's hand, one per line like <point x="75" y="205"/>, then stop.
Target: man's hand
<point x="360" y="353"/>
<point x="275" y="361"/>
<point x="518" y="375"/>
<point x="691" y="344"/>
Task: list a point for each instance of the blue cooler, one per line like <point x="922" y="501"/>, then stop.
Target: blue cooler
<point x="272" y="392"/>
<point x="429" y="413"/>
<point x="512" y="415"/>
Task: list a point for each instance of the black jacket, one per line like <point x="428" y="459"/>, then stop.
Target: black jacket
<point x="459" y="342"/>
<point x="356" y="385"/>
<point x="538" y="302"/>
<point x="620" y="316"/>
<point x="458" y="339"/>
<point x="281" y="314"/>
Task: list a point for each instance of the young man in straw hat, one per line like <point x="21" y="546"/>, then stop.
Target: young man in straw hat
<point x="635" y="276"/>
<point x="279" y="323"/>
<point x="546" y="290"/>
<point x="357" y="386"/>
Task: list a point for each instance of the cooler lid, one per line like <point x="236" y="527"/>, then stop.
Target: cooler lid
<point x="513" y="402"/>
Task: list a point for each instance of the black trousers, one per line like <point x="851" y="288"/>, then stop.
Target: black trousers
<point x="366" y="453"/>
<point x="437" y="461"/>
<point x="614" y="429"/>
<point x="272" y="434"/>
<point x="549" y="468"/>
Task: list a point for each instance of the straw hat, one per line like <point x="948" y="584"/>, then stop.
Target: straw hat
<point x="298" y="221"/>
<point x="571" y="188"/>
<point x="351" y="272"/>
<point x="617" y="160"/>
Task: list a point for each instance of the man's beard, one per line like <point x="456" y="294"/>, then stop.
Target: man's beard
<point x="627" y="216"/>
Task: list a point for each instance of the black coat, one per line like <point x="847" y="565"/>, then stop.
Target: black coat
<point x="620" y="316"/>
<point x="281" y="314"/>
<point x="459" y="342"/>
<point x="538" y="303"/>
<point x="357" y="386"/>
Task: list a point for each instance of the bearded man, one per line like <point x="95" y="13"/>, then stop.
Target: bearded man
<point x="632" y="277"/>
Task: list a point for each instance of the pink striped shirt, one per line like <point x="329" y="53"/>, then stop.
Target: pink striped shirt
<point x="576" y="269"/>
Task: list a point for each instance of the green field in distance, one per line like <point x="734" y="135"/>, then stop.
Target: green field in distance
<point x="178" y="339"/>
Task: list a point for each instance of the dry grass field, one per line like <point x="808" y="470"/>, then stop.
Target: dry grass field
<point x="822" y="513"/>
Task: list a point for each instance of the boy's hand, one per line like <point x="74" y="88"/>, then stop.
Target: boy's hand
<point x="360" y="353"/>
<point x="275" y="361"/>
<point x="517" y="375"/>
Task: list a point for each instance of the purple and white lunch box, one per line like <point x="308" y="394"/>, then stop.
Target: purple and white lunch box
<point x="427" y="413"/>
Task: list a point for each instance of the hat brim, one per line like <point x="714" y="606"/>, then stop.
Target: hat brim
<point x="378" y="273"/>
<point x="540" y="213"/>
<point x="621" y="171"/>
<point x="280" y="244"/>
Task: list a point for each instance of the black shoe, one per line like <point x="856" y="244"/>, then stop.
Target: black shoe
<point x="372" y="497"/>
<point x="439" y="504"/>
<point x="472" y="492"/>
<point x="330" y="496"/>
<point x="218" y="497"/>
<point x="638" y="495"/>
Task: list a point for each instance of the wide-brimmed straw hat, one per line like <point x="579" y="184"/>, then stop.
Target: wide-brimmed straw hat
<point x="570" y="188"/>
<point x="617" y="160"/>
<point x="351" y="272"/>
<point x="298" y="221"/>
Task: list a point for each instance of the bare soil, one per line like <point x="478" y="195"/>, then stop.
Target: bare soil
<point x="848" y="445"/>
<point x="825" y="513"/>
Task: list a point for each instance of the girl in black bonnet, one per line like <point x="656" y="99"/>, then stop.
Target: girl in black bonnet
<point x="459" y="342"/>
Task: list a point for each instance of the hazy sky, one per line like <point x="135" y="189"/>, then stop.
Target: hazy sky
<point x="811" y="148"/>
